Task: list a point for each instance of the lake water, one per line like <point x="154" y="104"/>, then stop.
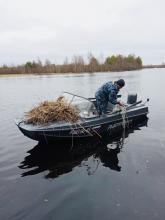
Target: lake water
<point x="106" y="181"/>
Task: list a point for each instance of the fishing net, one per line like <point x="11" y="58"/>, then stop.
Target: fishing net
<point x="124" y="122"/>
<point x="52" y="111"/>
<point x="123" y="112"/>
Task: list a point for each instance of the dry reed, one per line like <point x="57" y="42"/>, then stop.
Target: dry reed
<point x="53" y="111"/>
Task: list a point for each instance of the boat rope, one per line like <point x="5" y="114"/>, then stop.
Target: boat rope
<point x="124" y="121"/>
<point x="96" y="132"/>
<point x="45" y="137"/>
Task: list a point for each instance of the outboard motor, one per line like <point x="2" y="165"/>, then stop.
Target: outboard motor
<point x="132" y="98"/>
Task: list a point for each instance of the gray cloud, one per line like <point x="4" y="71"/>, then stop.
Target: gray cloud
<point x="55" y="29"/>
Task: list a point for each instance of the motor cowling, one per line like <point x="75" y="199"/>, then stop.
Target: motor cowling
<point x="132" y="98"/>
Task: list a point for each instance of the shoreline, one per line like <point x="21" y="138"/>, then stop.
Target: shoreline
<point x="68" y="73"/>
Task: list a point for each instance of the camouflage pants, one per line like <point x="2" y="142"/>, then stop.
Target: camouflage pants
<point x="101" y="104"/>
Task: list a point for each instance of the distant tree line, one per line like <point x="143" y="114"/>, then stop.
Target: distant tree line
<point x="77" y="65"/>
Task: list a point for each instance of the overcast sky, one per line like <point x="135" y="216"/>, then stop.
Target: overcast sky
<point x="56" y="29"/>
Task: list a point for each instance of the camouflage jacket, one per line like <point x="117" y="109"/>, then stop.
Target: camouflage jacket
<point x="108" y="92"/>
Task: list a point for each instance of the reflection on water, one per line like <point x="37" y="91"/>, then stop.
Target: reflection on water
<point x="97" y="180"/>
<point x="61" y="158"/>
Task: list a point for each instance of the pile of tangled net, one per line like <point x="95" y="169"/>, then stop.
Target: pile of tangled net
<point x="52" y="111"/>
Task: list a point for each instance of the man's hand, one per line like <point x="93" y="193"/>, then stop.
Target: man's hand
<point x="121" y="104"/>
